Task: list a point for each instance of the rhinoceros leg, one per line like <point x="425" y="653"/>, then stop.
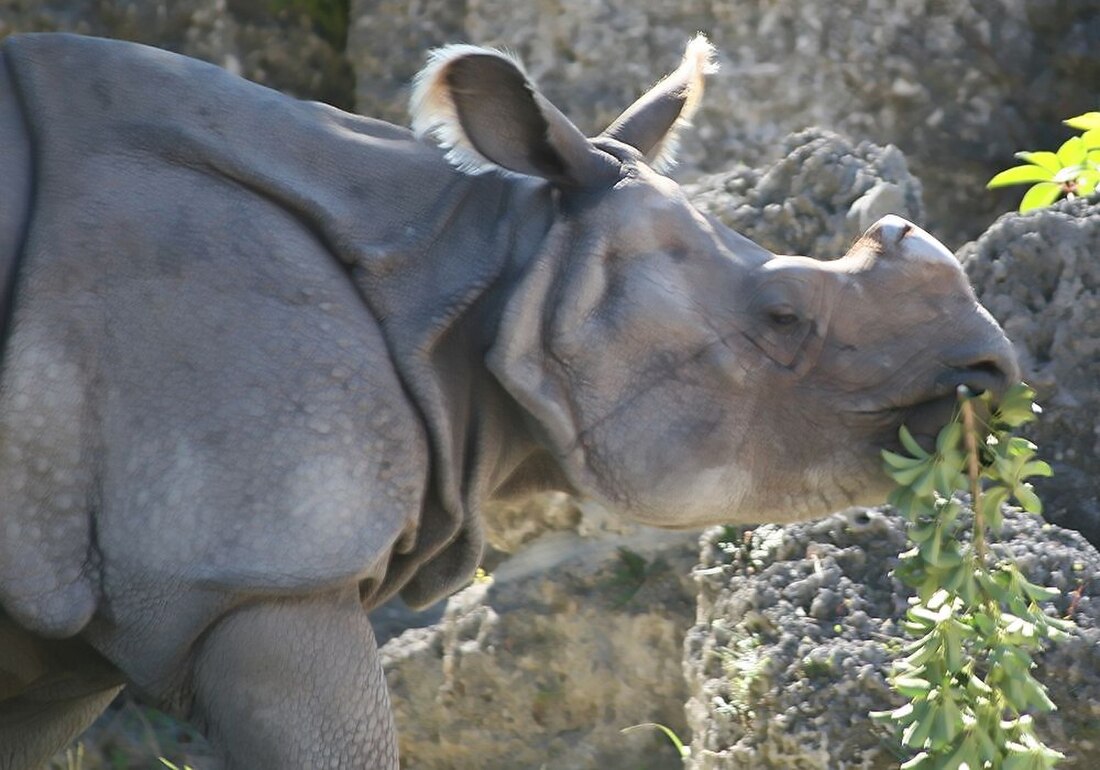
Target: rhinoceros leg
<point x="33" y="729"/>
<point x="50" y="691"/>
<point x="294" y="683"/>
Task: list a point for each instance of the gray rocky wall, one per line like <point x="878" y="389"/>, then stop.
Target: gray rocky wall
<point x="957" y="86"/>
<point x="797" y="626"/>
<point x="281" y="49"/>
<point x="901" y="90"/>
<point x="1039" y="274"/>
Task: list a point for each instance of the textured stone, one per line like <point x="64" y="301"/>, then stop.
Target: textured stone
<point x="281" y="49"/>
<point x="820" y="195"/>
<point x="509" y="526"/>
<point x="571" y="641"/>
<point x="1039" y="275"/>
<point x="957" y="86"/>
<point x="797" y="627"/>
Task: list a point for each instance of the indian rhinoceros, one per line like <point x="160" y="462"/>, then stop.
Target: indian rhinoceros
<point x="265" y="361"/>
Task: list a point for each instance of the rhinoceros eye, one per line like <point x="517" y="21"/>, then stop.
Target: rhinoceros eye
<point x="782" y="316"/>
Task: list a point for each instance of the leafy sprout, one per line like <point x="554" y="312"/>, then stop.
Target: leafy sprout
<point x="1074" y="170"/>
<point x="976" y="621"/>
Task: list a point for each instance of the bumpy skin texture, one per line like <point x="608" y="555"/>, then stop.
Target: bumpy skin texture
<point x="266" y="360"/>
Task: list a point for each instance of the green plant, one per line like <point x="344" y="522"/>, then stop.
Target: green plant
<point x="1071" y="171"/>
<point x="171" y="766"/>
<point x="977" y="620"/>
<point x="631" y="572"/>
<point x="684" y="751"/>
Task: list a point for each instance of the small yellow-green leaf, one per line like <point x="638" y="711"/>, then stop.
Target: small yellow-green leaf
<point x="1040" y="196"/>
<point x="1047" y="160"/>
<point x="1020" y="175"/>
<point x="1072" y="152"/>
<point x="1087" y="182"/>
<point x="1069" y="174"/>
<point x="1091" y="139"/>
<point x="1086" y="122"/>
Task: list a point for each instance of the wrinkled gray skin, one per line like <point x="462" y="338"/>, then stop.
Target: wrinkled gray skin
<point x="265" y="360"/>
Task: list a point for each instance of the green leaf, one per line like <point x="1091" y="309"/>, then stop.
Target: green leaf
<point x="910" y="443"/>
<point x="911" y="686"/>
<point x="1087" y="182"/>
<point x="1069" y="174"/>
<point x="990" y="507"/>
<point x="922" y="761"/>
<point x="1027" y="498"/>
<point x="920" y="533"/>
<point x="910" y="477"/>
<point x="1047" y="160"/>
<point x="1036" y="468"/>
<point x="900" y="462"/>
<point x="1086" y="122"/>
<point x="916" y="734"/>
<point x="949" y="438"/>
<point x="910" y="505"/>
<point x="1040" y="196"/>
<point x="1020" y="175"/>
<point x="1072" y="152"/>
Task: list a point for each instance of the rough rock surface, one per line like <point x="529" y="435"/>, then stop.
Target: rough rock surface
<point x="281" y="49"/>
<point x="571" y="641"/>
<point x="957" y="86"/>
<point x="795" y="629"/>
<point x="1039" y="274"/>
<point x="822" y="194"/>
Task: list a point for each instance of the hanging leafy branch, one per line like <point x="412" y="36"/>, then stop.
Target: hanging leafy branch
<point x="975" y="618"/>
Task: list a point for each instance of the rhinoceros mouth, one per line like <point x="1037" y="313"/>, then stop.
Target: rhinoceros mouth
<point x="925" y="419"/>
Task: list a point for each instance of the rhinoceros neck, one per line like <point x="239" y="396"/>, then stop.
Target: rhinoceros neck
<point x="438" y="292"/>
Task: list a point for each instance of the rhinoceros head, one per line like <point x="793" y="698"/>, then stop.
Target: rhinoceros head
<point x="677" y="371"/>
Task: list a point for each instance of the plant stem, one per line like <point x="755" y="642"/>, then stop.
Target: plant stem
<point x="970" y="437"/>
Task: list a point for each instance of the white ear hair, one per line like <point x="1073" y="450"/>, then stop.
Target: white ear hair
<point x="698" y="62"/>
<point x="433" y="109"/>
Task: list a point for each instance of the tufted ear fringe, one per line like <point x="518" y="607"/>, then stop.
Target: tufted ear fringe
<point x="698" y="62"/>
<point x="433" y="110"/>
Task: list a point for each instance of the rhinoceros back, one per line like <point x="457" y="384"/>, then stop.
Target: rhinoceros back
<point x="194" y="391"/>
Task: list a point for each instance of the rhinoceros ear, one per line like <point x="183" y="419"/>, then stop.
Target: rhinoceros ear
<point x="651" y="125"/>
<point x="481" y="106"/>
